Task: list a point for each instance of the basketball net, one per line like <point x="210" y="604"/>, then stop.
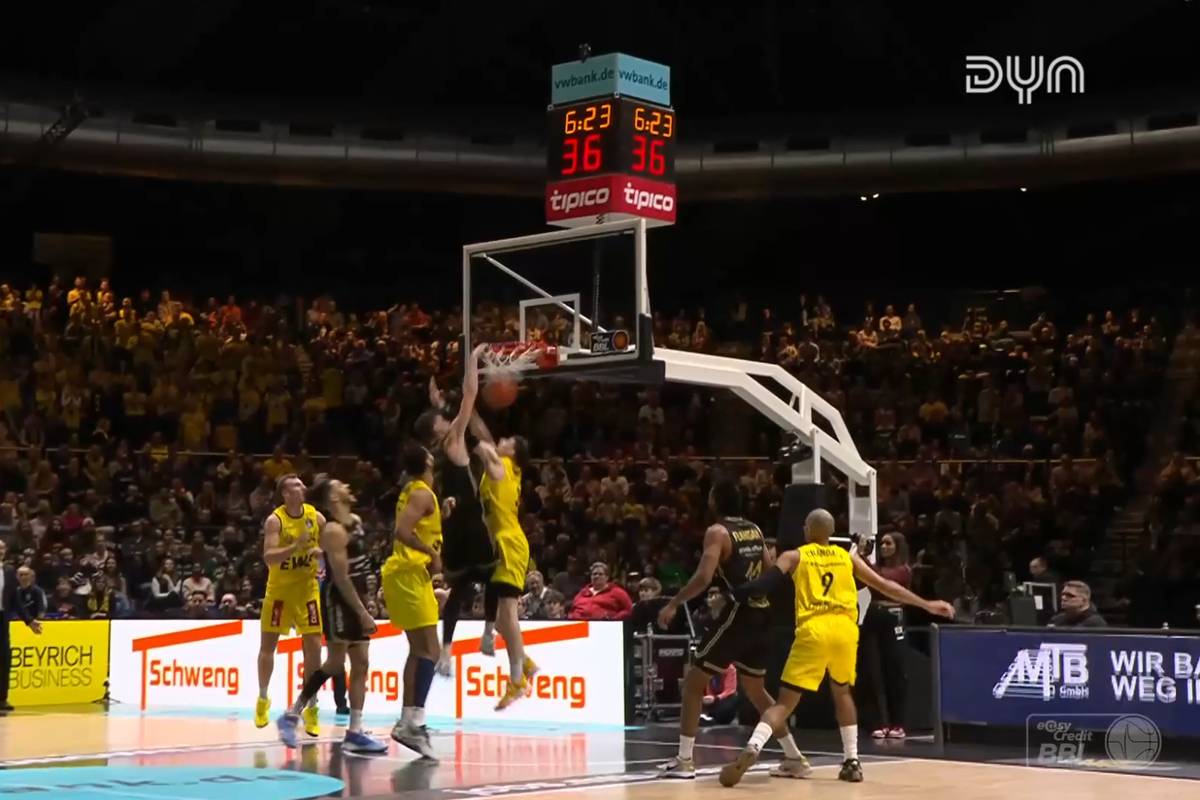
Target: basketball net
<point x="509" y="360"/>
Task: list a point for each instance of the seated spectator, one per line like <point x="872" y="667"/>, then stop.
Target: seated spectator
<point x="1075" y="600"/>
<point x="197" y="606"/>
<point x="29" y="594"/>
<point x="721" y="699"/>
<point x="602" y="599"/>
<point x="535" y="595"/>
<point x="99" y="604"/>
<point x="199" y="582"/>
<point x="165" y="588"/>
<point x="555" y="605"/>
<point x="64" y="604"/>
<point x="1040" y="572"/>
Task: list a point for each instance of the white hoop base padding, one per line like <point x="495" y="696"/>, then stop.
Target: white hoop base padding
<point x="510" y="359"/>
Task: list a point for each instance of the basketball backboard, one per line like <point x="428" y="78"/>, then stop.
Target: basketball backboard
<point x="582" y="291"/>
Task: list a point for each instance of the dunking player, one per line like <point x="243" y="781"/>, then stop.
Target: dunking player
<point x="290" y="538"/>
<point x="500" y="489"/>
<point x="826" y="636"/>
<point x="734" y="553"/>
<point x="468" y="555"/>
<point x="348" y="626"/>
<point x="408" y="591"/>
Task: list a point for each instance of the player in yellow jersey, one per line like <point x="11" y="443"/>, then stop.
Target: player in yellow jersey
<point x="826" y="636"/>
<point x="408" y="591"/>
<point x="500" y="492"/>
<point x="290" y="549"/>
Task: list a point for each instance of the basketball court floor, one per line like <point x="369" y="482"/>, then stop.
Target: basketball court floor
<point x="90" y="754"/>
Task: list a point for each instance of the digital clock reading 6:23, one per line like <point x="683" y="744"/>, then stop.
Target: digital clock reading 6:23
<point x="615" y="135"/>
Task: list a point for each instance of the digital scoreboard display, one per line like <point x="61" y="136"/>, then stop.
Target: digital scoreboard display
<point x="613" y="135"/>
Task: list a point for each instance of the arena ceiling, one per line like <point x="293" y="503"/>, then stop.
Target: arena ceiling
<point x="764" y="56"/>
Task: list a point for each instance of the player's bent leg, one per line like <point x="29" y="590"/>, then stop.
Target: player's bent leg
<point x="520" y="668"/>
<point x="410" y="729"/>
<point x="794" y="764"/>
<point x="357" y="740"/>
<point x="310" y="645"/>
<point x="772" y="723"/>
<point x="266" y="665"/>
<point x="683" y="765"/>
<point x="847" y="718"/>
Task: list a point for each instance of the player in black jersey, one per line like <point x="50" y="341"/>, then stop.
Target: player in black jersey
<point x="347" y="624"/>
<point x="735" y="553"/>
<point x="468" y="554"/>
<point x="358" y="562"/>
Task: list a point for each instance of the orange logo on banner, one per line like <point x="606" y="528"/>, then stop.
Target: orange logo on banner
<point x="546" y="687"/>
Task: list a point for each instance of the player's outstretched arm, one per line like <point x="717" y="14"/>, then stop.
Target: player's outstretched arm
<point x="478" y="427"/>
<point x="491" y="460"/>
<point x="895" y="591"/>
<point x="272" y="553"/>
<point x="715" y="540"/>
<point x="771" y="578"/>
<point x="470" y="391"/>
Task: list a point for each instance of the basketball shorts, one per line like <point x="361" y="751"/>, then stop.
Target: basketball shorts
<point x="467" y="552"/>
<point x="512" y="559"/>
<point x="824" y="643"/>
<point x="739" y="637"/>
<point x="296" y="607"/>
<point x="340" y="619"/>
<point x="408" y="593"/>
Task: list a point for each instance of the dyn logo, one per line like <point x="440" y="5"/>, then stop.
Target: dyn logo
<point x="1051" y="670"/>
<point x="985" y="74"/>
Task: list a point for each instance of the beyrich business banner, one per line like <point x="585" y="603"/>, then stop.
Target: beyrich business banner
<point x="166" y="663"/>
<point x="67" y="663"/>
<point x="995" y="677"/>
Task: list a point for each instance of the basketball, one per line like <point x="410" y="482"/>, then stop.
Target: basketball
<point x="500" y="393"/>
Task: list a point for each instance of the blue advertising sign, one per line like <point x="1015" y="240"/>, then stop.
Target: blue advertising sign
<point x="611" y="73"/>
<point x="996" y="677"/>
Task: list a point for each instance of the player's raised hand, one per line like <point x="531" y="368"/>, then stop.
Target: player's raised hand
<point x="940" y="608"/>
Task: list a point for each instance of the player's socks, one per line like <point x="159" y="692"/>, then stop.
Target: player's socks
<point x="849" y="741"/>
<point x="790" y="750"/>
<point x="355" y="720"/>
<point x="762" y="732"/>
<point x="418" y="717"/>
<point x="312" y="685"/>
<point x="686" y="746"/>
<point x="424" y="679"/>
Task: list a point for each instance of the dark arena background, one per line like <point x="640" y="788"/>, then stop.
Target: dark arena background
<point x="929" y="267"/>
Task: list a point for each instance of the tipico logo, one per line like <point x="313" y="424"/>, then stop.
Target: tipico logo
<point x="584" y="198"/>
<point x="640" y="198"/>
<point x="1024" y="75"/>
<point x="1052" y="670"/>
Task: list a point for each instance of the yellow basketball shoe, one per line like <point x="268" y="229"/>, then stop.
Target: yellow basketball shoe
<point x="262" y="716"/>
<point x="514" y="693"/>
<point x="312" y="722"/>
<point x="529" y="668"/>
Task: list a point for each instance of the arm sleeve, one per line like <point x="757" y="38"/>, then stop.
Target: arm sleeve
<point x="766" y="583"/>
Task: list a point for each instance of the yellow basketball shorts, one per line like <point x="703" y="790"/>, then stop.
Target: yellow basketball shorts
<point x="408" y="593"/>
<point x="824" y="643"/>
<point x="512" y="559"/>
<point x="296" y="607"/>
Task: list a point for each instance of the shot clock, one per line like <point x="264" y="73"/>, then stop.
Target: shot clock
<point x="610" y="144"/>
<point x="611" y="135"/>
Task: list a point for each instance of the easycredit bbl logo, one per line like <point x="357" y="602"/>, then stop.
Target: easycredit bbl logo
<point x="1052" y="670"/>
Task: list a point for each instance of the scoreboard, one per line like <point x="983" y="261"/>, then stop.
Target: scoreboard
<point x="613" y="135"/>
<point x="611" y="155"/>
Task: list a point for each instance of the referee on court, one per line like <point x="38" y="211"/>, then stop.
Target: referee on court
<point x="9" y="604"/>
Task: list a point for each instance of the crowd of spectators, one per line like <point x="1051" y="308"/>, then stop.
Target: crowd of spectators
<point x="129" y="428"/>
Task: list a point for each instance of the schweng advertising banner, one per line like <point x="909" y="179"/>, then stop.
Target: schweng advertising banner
<point x="162" y="664"/>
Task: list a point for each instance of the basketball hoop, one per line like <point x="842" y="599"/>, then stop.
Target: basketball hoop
<point x="510" y="359"/>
